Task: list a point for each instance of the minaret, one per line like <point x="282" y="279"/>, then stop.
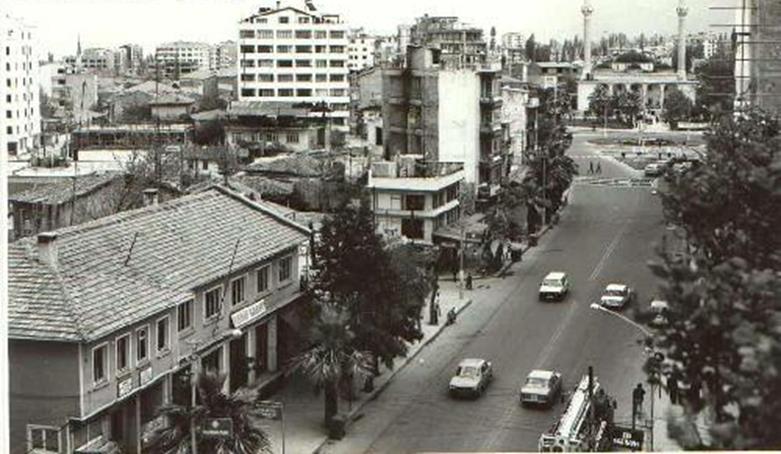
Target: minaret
<point x="682" y="11"/>
<point x="78" y="45"/>
<point x="586" y="10"/>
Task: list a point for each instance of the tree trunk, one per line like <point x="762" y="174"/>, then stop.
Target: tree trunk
<point x="331" y="401"/>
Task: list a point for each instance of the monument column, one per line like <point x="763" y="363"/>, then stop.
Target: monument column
<point x="682" y="11"/>
<point x="587" y="9"/>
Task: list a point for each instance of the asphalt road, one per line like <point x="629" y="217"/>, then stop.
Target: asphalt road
<point x="605" y="235"/>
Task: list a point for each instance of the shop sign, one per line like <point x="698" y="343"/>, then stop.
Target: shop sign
<point x="145" y="376"/>
<point x="269" y="410"/>
<point x="124" y="386"/>
<point x="625" y="437"/>
<point x="248" y="314"/>
<point x="217" y="428"/>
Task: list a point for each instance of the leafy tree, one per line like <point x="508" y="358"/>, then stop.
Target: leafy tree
<point x="211" y="132"/>
<point x="333" y="357"/>
<point x="247" y="438"/>
<point x="136" y="113"/>
<point x="600" y="102"/>
<point x="715" y="92"/>
<point x="212" y="103"/>
<point x="628" y="105"/>
<point x="677" y="107"/>
<point x="530" y="48"/>
<point x="724" y="291"/>
<point x="46" y="108"/>
<point x="502" y="219"/>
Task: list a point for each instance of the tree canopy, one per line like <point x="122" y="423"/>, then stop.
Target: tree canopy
<point x="677" y="107"/>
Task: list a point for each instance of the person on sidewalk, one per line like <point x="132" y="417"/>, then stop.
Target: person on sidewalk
<point x="591" y="167"/>
<point x="672" y="388"/>
<point x="469" y="281"/>
<point x="434" y="311"/>
<point x="599" y="167"/>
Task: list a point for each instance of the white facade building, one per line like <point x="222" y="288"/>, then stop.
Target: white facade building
<point x="223" y="55"/>
<point x="95" y="59"/>
<point x="19" y="87"/>
<point x="360" y="51"/>
<point x="295" y="54"/>
<point x="182" y="57"/>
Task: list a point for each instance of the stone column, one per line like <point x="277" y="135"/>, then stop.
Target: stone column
<point x="225" y="352"/>
<point x="644" y="95"/>
<point x="587" y="10"/>
<point x="271" y="357"/>
<point x="661" y="96"/>
<point x="682" y="11"/>
<point x="251" y="353"/>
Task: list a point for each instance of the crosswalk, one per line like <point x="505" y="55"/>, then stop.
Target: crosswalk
<point x="616" y="182"/>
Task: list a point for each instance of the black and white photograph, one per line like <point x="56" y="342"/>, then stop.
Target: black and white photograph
<point x="381" y="227"/>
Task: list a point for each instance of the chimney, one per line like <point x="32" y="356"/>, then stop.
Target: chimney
<point x="150" y="197"/>
<point x="47" y="248"/>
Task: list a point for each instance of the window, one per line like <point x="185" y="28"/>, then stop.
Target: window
<point x="262" y="278"/>
<point x="303" y="20"/>
<point x="284" y="20"/>
<point x="304" y="63"/>
<point x="123" y="352"/>
<point x="212" y="302"/>
<point x="266" y="34"/>
<point x="99" y="360"/>
<point x="412" y="228"/>
<point x="284" y="63"/>
<point x="304" y="92"/>
<point x="245" y="34"/>
<point x="265" y="49"/>
<point x="304" y="34"/>
<point x="43" y="439"/>
<point x="321" y="63"/>
<point x="285" y="268"/>
<point x="248" y="78"/>
<point x="284" y="49"/>
<point x="284" y="34"/>
<point x="285" y="78"/>
<point x="262" y="20"/>
<point x="245" y="49"/>
<point x="336" y="34"/>
<point x="248" y="92"/>
<point x="321" y="77"/>
<point x="321" y="49"/>
<point x="338" y="92"/>
<point x="266" y="77"/>
<point x="321" y="34"/>
<point x="337" y="49"/>
<point x="266" y="92"/>
<point x="237" y="290"/>
<point x="265" y="63"/>
<point x="292" y="137"/>
<point x="286" y="92"/>
<point x="337" y="77"/>
<point x="184" y="315"/>
<point x="162" y="334"/>
<point x="303" y="49"/>
<point x="303" y="78"/>
<point x="142" y="336"/>
<point x="248" y="63"/>
<point x="337" y="63"/>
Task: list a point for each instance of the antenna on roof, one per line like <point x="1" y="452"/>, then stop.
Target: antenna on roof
<point x="130" y="251"/>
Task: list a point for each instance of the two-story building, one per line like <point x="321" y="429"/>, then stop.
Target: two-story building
<point x="413" y="198"/>
<point x="108" y="319"/>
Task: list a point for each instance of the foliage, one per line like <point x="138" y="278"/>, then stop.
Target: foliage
<point x="136" y="113"/>
<point x="211" y="132"/>
<point x="530" y="47"/>
<point x="724" y="291"/>
<point x="677" y="107"/>
<point x="247" y="438"/>
<point x="46" y="107"/>
<point x="715" y="92"/>
<point x="600" y="102"/>
<point x="467" y="199"/>
<point x="212" y="103"/>
<point x="627" y="105"/>
<point x="503" y="218"/>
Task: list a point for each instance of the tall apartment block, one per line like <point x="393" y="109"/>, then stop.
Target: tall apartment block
<point x="19" y="87"/>
<point x="294" y="54"/>
<point x="758" y="55"/>
<point x="459" y="42"/>
<point x="223" y="55"/>
<point x="182" y="57"/>
<point x="133" y="58"/>
<point x="361" y="50"/>
<point x="446" y="113"/>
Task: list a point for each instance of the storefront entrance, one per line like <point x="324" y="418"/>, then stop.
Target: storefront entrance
<point x="238" y="363"/>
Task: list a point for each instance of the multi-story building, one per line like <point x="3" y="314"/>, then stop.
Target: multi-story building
<point x="75" y="94"/>
<point x="757" y="55"/>
<point x="19" y="87"/>
<point x="108" y="319"/>
<point x="95" y="59"/>
<point x="360" y="50"/>
<point x="513" y="48"/>
<point x="294" y="54"/>
<point x="133" y="58"/>
<point x="182" y="57"/>
<point x="413" y="198"/>
<point x="459" y="42"/>
<point x="223" y="55"/>
<point x="422" y="116"/>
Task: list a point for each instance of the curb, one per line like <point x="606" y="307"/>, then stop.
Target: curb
<point x="380" y="388"/>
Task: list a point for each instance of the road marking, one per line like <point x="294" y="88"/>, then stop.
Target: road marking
<point x="606" y="255"/>
<point x="542" y="358"/>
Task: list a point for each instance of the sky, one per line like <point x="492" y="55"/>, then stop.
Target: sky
<point x="110" y="23"/>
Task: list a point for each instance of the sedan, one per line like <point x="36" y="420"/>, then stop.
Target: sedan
<point x="542" y="387"/>
<point x="472" y="377"/>
<point x="616" y="296"/>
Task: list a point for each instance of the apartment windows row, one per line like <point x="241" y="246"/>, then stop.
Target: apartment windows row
<point x="270" y="77"/>
<point x="291" y="63"/>
<point x="289" y="49"/>
<point x="291" y="92"/>
<point x="291" y="34"/>
<point x="141" y="337"/>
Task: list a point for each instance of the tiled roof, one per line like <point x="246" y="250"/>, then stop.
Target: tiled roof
<point x="299" y="165"/>
<point x="171" y="99"/>
<point x="63" y="191"/>
<point x="100" y="285"/>
<point x="263" y="108"/>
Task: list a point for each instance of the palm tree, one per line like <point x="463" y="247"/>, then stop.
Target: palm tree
<point x="176" y="438"/>
<point x="333" y="358"/>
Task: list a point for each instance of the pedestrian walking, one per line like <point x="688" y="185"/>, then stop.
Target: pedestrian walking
<point x="434" y="311"/>
<point x="455" y="275"/>
<point x="469" y="281"/>
<point x="591" y="167"/>
<point x="672" y="387"/>
<point x="599" y="167"/>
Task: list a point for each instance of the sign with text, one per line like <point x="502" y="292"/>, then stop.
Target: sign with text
<point x="248" y="314"/>
<point x="269" y="410"/>
<point x="217" y="428"/>
<point x="145" y="376"/>
<point x="625" y="437"/>
<point x="124" y="386"/>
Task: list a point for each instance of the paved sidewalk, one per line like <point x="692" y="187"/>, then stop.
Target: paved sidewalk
<point x="305" y="431"/>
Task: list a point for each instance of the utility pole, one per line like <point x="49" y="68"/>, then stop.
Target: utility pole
<point x="461" y="266"/>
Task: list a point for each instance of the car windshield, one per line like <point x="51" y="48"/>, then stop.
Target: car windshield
<point x="551" y="283"/>
<point x="537" y="382"/>
<point x="614" y="293"/>
<point x="469" y="372"/>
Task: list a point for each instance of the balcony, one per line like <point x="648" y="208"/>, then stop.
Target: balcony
<point x="412" y="175"/>
<point x="491" y="98"/>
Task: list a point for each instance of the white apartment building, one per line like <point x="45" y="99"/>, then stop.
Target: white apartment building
<point x="360" y="50"/>
<point x="513" y="40"/>
<point x="223" y="55"/>
<point x="95" y="59"/>
<point x="294" y="54"/>
<point x="19" y="87"/>
<point x="182" y="57"/>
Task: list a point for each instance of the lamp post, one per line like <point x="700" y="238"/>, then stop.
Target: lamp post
<point x="647" y="334"/>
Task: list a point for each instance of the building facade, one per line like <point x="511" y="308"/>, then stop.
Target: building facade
<point x="182" y="57"/>
<point x="223" y="55"/>
<point x="133" y="59"/>
<point x="360" y="50"/>
<point x="295" y="54"/>
<point x="460" y="43"/>
<point x="95" y="60"/>
<point x="75" y="94"/>
<point x="758" y="55"/>
<point x="413" y="199"/>
<point x="19" y="87"/>
<point x="210" y="283"/>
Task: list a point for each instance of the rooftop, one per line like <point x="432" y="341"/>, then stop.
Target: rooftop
<point x="615" y="287"/>
<point x="555" y="275"/>
<point x="121" y="269"/>
<point x="270" y="109"/>
<point x="542" y="374"/>
<point x="61" y="192"/>
<point x="471" y="362"/>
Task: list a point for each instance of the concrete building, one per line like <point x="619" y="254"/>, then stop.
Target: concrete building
<point x="550" y="74"/>
<point x="757" y="61"/>
<point x="513" y="48"/>
<point x="460" y="43"/>
<point x="223" y="56"/>
<point x="360" y="50"/>
<point x="174" y="59"/>
<point x="107" y="320"/>
<point x="95" y="60"/>
<point x="19" y="87"/>
<point x="172" y="107"/>
<point x="412" y="198"/>
<point x="422" y="116"/>
<point x="295" y="54"/>
<point x="131" y="136"/>
<point x="276" y="126"/>
<point x="133" y="59"/>
<point x="75" y="94"/>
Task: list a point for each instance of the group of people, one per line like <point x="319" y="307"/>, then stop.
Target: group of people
<point x="592" y="170"/>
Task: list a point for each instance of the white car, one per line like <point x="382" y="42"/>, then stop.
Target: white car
<point x="555" y="286"/>
<point x="472" y="377"/>
<point x="541" y="388"/>
<point x="660" y="310"/>
<point x="616" y="296"/>
<point x="653" y="170"/>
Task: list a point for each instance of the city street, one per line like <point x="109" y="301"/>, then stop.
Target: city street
<point x="606" y="234"/>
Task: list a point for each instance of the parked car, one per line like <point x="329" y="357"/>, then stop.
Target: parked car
<point x="653" y="169"/>
<point x="660" y="309"/>
<point x="472" y="377"/>
<point x="616" y="296"/>
<point x="542" y="387"/>
<point x="555" y="286"/>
